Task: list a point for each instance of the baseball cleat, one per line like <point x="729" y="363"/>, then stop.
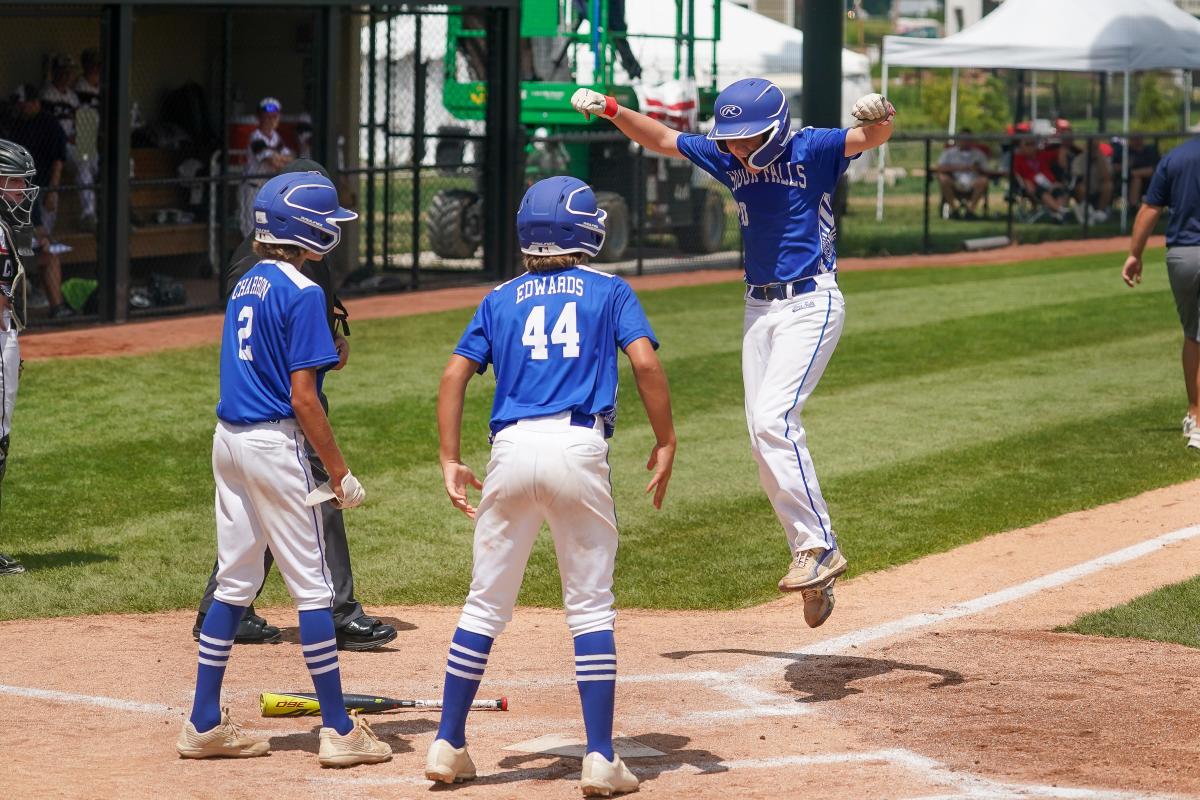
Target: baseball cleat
<point x="818" y="604"/>
<point x="10" y="566"/>
<point x="359" y="746"/>
<point x="813" y="569"/>
<point x="226" y="740"/>
<point x="364" y="633"/>
<point x="1194" y="439"/>
<point x="1189" y="425"/>
<point x="603" y="778"/>
<point x="448" y="764"/>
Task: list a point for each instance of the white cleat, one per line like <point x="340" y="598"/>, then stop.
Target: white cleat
<point x="359" y="746"/>
<point x="448" y="764"/>
<point x="1194" y="439"/>
<point x="602" y="778"/>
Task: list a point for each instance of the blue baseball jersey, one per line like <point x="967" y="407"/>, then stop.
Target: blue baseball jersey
<point x="1176" y="183"/>
<point x="785" y="210"/>
<point x="552" y="338"/>
<point x="275" y="324"/>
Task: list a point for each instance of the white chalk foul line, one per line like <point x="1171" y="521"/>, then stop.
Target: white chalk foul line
<point x="86" y="700"/>
<point x="966" y="786"/>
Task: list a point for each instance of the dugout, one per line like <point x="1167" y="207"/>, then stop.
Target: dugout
<point x="179" y="85"/>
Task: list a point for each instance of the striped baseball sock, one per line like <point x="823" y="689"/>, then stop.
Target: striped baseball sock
<point x="318" y="642"/>
<point x="464" y="670"/>
<point x="596" y="676"/>
<point x="216" y="641"/>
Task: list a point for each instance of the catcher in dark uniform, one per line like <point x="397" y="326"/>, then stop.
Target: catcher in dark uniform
<point x="355" y="629"/>
<point x="17" y="194"/>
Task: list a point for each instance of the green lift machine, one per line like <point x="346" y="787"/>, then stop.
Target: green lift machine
<point x="672" y="198"/>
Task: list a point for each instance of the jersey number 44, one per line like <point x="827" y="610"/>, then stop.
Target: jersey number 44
<point x="564" y="333"/>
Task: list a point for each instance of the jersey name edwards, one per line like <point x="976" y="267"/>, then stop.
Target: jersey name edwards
<point x="791" y="174"/>
<point x="549" y="284"/>
<point x="257" y="285"/>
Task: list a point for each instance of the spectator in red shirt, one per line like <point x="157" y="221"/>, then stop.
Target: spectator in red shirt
<point x="1036" y="177"/>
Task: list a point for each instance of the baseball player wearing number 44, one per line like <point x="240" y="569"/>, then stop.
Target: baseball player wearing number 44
<point x="783" y="183"/>
<point x="552" y="336"/>
<point x="275" y="346"/>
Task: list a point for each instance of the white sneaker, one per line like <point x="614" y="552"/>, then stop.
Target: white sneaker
<point x="1194" y="440"/>
<point x="602" y="778"/>
<point x="359" y="746"/>
<point x="1189" y="425"/>
<point x="448" y="764"/>
<point x="813" y="569"/>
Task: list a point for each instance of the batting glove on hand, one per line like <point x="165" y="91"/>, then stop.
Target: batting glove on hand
<point x="872" y="109"/>
<point x="353" y="493"/>
<point x="587" y="102"/>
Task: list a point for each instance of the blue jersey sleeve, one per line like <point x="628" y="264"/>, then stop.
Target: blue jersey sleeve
<point x="309" y="342"/>
<point x="1158" y="193"/>
<point x="702" y="152"/>
<point x="630" y="323"/>
<point x="828" y="146"/>
<point x="476" y="341"/>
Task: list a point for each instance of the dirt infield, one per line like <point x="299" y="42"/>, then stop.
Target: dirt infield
<point x="937" y="679"/>
<point x="137" y="338"/>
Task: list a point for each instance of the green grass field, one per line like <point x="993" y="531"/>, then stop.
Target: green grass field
<point x="1165" y="615"/>
<point x="959" y="403"/>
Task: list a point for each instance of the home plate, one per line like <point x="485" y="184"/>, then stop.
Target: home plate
<point x="557" y="744"/>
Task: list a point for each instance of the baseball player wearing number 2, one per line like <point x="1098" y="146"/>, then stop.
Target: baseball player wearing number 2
<point x="275" y="348"/>
<point x="783" y="183"/>
<point x="552" y="336"/>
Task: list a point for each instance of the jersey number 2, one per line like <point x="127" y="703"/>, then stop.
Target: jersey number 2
<point x="565" y="333"/>
<point x="245" y="326"/>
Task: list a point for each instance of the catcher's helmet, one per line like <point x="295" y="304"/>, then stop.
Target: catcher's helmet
<point x="17" y="190"/>
<point x="750" y="107"/>
<point x="559" y="215"/>
<point x="300" y="208"/>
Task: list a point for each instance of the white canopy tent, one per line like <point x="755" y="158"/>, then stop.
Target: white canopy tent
<point x="1123" y="36"/>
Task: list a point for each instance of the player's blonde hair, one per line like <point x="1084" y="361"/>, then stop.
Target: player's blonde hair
<point x="277" y="252"/>
<point x="547" y="263"/>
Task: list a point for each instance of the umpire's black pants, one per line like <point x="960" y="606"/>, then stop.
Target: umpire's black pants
<point x="337" y="554"/>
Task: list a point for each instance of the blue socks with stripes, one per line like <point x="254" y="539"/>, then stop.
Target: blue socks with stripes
<point x="596" y="675"/>
<point x="216" y="641"/>
<point x="318" y="642"/>
<point x="464" y="670"/>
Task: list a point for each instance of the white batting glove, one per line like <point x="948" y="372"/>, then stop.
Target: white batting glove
<point x="587" y="102"/>
<point x="872" y="109"/>
<point x="353" y="493"/>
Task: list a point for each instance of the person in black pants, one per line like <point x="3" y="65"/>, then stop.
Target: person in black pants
<point x="355" y="629"/>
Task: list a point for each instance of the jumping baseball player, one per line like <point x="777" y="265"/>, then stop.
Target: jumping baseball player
<point x="17" y="195"/>
<point x="275" y="346"/>
<point x="782" y="183"/>
<point x="552" y="337"/>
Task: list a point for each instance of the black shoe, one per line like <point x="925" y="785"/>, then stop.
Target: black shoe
<point x="10" y="566"/>
<point x="253" y="629"/>
<point x="62" y="311"/>
<point x="364" y="633"/>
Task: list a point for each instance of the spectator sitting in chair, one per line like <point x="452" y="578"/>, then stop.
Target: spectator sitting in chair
<point x="1093" y="186"/>
<point x="1033" y="173"/>
<point x="962" y="172"/>
<point x="43" y="137"/>
<point x="1143" y="158"/>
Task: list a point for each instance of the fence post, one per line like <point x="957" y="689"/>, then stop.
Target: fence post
<point x="1087" y="186"/>
<point x="925" y="247"/>
<point x="114" y="213"/>
<point x="1012" y="186"/>
<point x="639" y="203"/>
<point x="418" y="149"/>
<point x="372" y="130"/>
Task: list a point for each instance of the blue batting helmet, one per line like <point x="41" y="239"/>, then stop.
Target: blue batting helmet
<point x="559" y="215"/>
<point x="750" y="107"/>
<point x="300" y="208"/>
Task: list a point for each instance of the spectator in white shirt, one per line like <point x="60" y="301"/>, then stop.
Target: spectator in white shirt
<point x="267" y="155"/>
<point x="962" y="172"/>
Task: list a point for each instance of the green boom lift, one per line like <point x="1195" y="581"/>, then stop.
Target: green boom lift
<point x="561" y="141"/>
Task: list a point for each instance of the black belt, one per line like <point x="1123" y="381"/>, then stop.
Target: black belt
<point x="782" y="291"/>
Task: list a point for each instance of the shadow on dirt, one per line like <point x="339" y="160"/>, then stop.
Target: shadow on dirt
<point x="821" y="678"/>
<point x="396" y="732"/>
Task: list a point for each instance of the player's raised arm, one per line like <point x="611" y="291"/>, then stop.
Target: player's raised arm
<point x="451" y="394"/>
<point x="656" y="397"/>
<point x="650" y="134"/>
<point x="873" y="124"/>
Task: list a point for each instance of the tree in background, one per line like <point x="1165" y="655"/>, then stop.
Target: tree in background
<point x="982" y="103"/>
<point x="1157" y="107"/>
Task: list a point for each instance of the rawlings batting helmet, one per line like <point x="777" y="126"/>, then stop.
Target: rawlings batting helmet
<point x="17" y="189"/>
<point x="750" y="107"/>
<point x="300" y="208"/>
<point x="559" y="215"/>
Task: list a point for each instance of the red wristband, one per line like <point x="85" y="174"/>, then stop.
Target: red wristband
<point x="610" y="106"/>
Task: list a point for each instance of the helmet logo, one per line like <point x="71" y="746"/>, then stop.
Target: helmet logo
<point x="730" y="111"/>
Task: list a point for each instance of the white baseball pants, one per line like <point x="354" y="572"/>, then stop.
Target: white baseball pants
<point x="786" y="346"/>
<point x="10" y="372"/>
<point x="545" y="470"/>
<point x="263" y="477"/>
